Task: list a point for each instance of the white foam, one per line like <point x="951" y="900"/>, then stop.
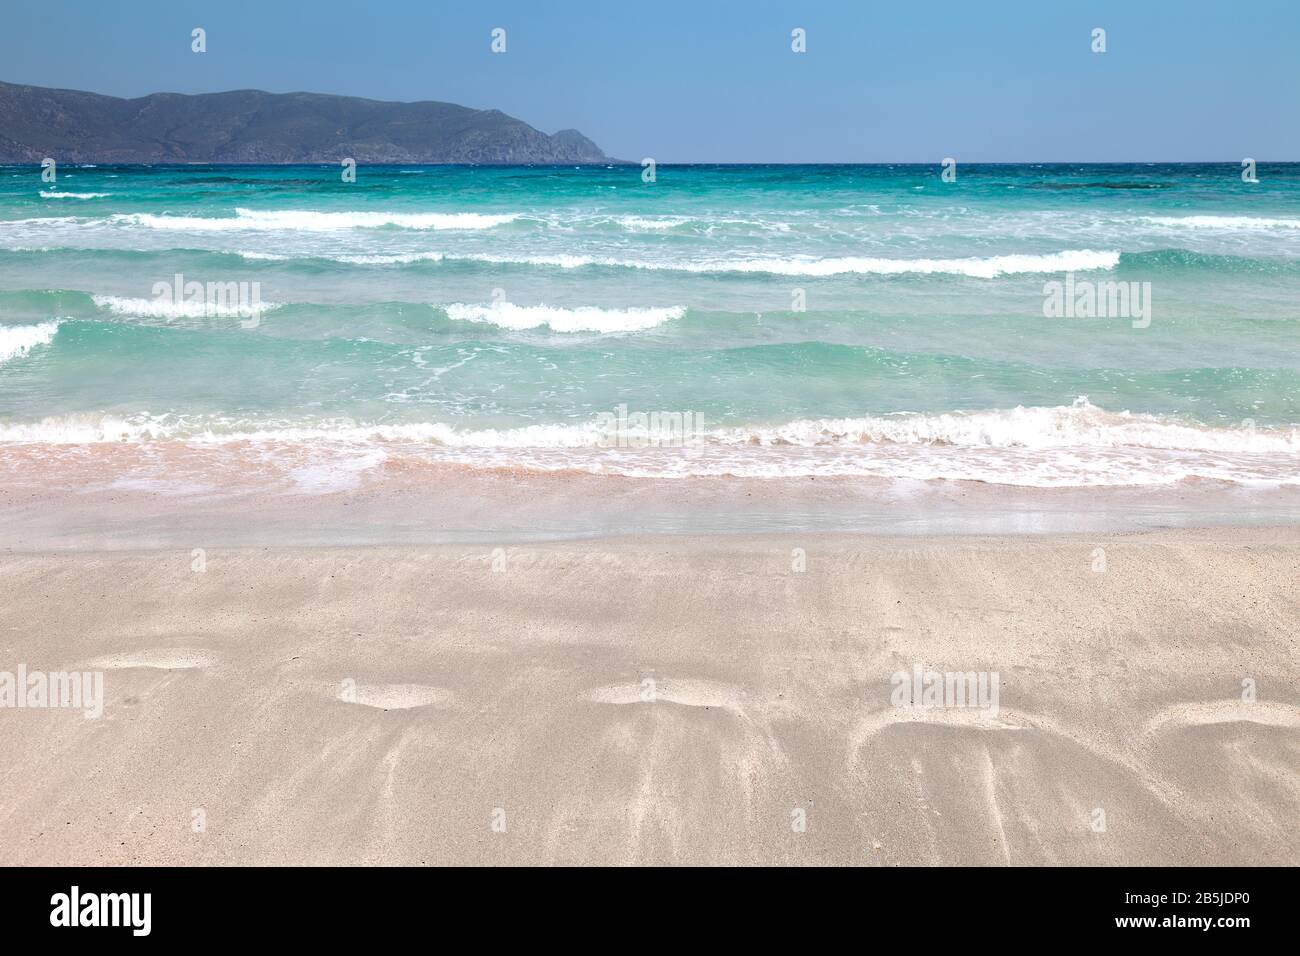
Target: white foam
<point x="18" y="340"/>
<point x="1071" y="260"/>
<point x="1230" y="223"/>
<point x="1081" y="425"/>
<point x="49" y="194"/>
<point x="303" y="220"/>
<point x="980" y="268"/>
<point x="1078" y="426"/>
<point x="341" y="453"/>
<point x="75" y="430"/>
<point x="143" y="427"/>
<point x="168" y="309"/>
<point x="404" y="258"/>
<point x="40" y="221"/>
<point x="583" y="319"/>
<point x="649" y="223"/>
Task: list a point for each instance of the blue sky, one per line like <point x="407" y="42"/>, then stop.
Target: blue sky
<point x="717" y="82"/>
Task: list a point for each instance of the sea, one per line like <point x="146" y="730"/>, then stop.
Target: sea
<point x="1031" y="326"/>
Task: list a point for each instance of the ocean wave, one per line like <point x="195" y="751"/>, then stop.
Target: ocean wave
<point x="990" y="267"/>
<point x="49" y="194"/>
<point x="704" y="223"/>
<point x="377" y="259"/>
<point x="1080" y="425"/>
<point x="395" y="259"/>
<point x="651" y="223"/>
<point x="293" y="220"/>
<point x="1232" y="223"/>
<point x="1075" y="446"/>
<point x="41" y="221"/>
<point x="18" y="340"/>
<point x="167" y="309"/>
<point x="582" y="319"/>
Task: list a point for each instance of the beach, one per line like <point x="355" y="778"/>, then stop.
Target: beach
<point x="757" y="514"/>
<point x="660" y="699"/>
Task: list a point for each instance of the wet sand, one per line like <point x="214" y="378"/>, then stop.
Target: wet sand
<point x="662" y="699"/>
<point x="157" y="496"/>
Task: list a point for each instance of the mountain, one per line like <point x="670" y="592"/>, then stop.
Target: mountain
<point x="251" y="126"/>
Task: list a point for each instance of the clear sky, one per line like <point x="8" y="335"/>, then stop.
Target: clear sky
<point x="716" y="80"/>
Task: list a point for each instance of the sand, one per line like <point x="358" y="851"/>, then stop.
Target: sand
<point x="668" y="699"/>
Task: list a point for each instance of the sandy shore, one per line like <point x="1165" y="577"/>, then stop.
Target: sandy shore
<point x="662" y="699"/>
<point x="170" y="496"/>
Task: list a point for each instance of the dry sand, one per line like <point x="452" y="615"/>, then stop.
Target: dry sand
<point x="658" y="700"/>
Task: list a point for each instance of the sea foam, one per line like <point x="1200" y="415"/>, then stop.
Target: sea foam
<point x="18" y="340"/>
<point x="583" y="319"/>
<point x="1070" y="260"/>
<point x="168" y="309"/>
<point x="294" y="220"/>
<point x="1229" y="223"/>
<point x="1081" y="425"/>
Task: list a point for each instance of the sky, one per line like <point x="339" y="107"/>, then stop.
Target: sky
<point x="717" y="80"/>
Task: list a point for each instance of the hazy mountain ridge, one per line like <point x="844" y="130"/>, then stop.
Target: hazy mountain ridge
<point x="252" y="126"/>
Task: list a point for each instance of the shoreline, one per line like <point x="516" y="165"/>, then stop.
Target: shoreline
<point x="379" y="705"/>
<point x="132" y="500"/>
<point x="1284" y="534"/>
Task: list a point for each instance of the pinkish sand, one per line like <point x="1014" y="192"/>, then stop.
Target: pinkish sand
<point x="174" y="496"/>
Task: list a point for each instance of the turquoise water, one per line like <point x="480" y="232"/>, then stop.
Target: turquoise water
<point x="817" y="320"/>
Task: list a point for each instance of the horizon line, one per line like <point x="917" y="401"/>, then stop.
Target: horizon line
<point x="609" y="163"/>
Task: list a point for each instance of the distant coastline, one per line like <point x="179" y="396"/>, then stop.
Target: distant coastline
<point x="254" y="127"/>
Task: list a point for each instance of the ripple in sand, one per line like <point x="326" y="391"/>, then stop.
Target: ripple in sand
<point x="393" y="696"/>
<point x="688" y="692"/>
<point x="1224" y="712"/>
<point x="167" y="659"/>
